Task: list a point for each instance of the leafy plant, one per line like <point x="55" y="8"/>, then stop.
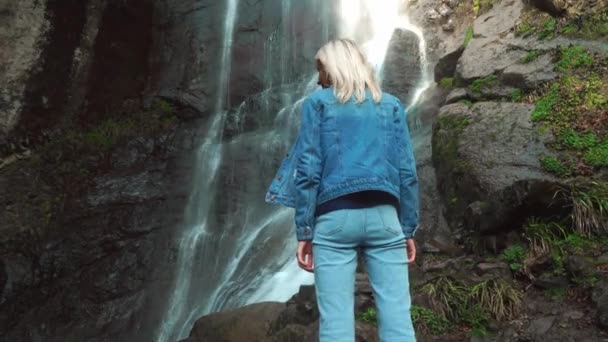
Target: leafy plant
<point x="514" y="255"/>
<point x="477" y="318"/>
<point x="555" y="166"/>
<point x="548" y="29"/>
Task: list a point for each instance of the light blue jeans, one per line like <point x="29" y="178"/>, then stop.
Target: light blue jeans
<point x="337" y="235"/>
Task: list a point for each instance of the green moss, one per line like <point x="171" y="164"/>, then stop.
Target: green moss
<point x="466" y="102"/>
<point x="532" y="56"/>
<point x="447" y="83"/>
<point x="548" y="29"/>
<point x="573" y="57"/>
<point x="517" y="95"/>
<point x="588" y="27"/>
<point x="429" y="321"/>
<point x="525" y="29"/>
<point x="573" y="108"/>
<point x="570" y="138"/>
<point x="483" y="83"/>
<point x="468" y="36"/>
<point x="555" y="166"/>
<point x="514" y="256"/>
<point x="456" y="124"/>
<point x="544" y="105"/>
<point x="598" y="156"/>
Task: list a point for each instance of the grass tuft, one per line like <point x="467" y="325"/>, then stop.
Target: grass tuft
<point x="428" y="321"/>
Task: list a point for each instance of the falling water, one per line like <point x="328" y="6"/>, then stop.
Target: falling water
<point x="240" y="251"/>
<point x="208" y="159"/>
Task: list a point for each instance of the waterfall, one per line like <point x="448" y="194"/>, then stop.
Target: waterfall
<point x="235" y="249"/>
<point x="180" y="314"/>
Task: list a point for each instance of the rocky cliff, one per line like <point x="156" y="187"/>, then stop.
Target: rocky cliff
<point x="105" y="104"/>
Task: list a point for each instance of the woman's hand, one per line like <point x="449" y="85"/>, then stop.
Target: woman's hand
<point x="304" y="255"/>
<point x="411" y="250"/>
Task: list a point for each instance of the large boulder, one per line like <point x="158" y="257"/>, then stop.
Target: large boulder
<point x="402" y="71"/>
<point x="532" y="74"/>
<point x="486" y="56"/>
<point x="487" y="161"/>
<point x="249" y="323"/>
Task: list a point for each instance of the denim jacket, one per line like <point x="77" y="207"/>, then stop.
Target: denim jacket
<point x="346" y="148"/>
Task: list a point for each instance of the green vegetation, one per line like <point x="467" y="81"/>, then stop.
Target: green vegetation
<point x="589" y="203"/>
<point x="428" y="321"/>
<point x="574" y="109"/>
<point x="544" y="104"/>
<point x="589" y="27"/>
<point x="466" y="102"/>
<point x="532" y="56"/>
<point x="454" y="124"/>
<point x="548" y="29"/>
<point x="555" y="166"/>
<point x="557" y="292"/>
<point x="446" y="83"/>
<point x="597" y="156"/>
<point x="69" y="159"/>
<point x="468" y="36"/>
<point x="369" y="316"/>
<point x="542" y="236"/>
<point x="525" y="30"/>
<point x="517" y="95"/>
<point x="573" y="57"/>
<point x="570" y="138"/>
<point x="483" y="83"/>
<point x="473" y="304"/>
<point x="514" y="256"/>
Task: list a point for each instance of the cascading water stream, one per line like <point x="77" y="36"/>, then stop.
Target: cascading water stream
<point x="246" y="256"/>
<point x="208" y="158"/>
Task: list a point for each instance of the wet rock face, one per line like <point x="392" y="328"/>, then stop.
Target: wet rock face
<point x="402" y="69"/>
<point x="24" y="28"/>
<point x="98" y="272"/>
<point x="296" y="320"/>
<point x="487" y="162"/>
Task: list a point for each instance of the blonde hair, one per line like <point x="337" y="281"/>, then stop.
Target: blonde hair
<point x="349" y="71"/>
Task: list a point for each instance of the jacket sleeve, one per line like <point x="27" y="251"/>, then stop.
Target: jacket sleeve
<point x="408" y="179"/>
<point x="308" y="170"/>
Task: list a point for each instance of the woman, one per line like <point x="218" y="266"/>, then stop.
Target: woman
<point x="351" y="176"/>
